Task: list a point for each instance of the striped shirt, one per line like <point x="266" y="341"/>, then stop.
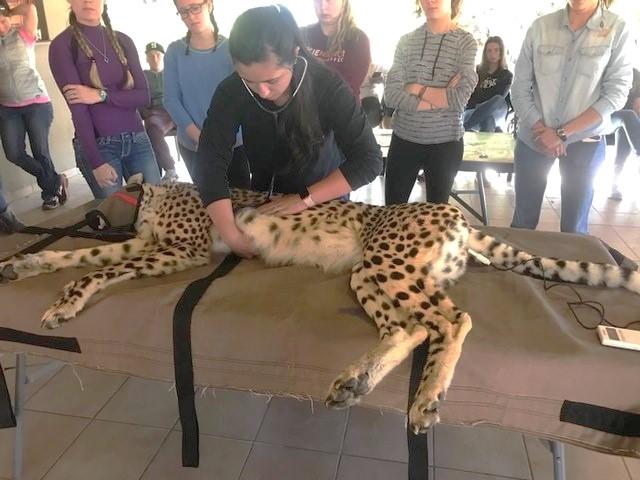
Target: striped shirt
<point x="431" y="59"/>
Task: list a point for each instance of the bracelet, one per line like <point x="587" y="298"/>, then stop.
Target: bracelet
<point x="305" y="196"/>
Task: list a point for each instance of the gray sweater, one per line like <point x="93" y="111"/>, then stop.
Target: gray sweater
<point x="430" y="59"/>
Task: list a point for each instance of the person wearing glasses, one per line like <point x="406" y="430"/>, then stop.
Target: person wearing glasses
<point x="338" y="42"/>
<point x="429" y="84"/>
<point x="573" y="72"/>
<point x="99" y="73"/>
<point x="25" y="107"/>
<point x="305" y="134"/>
<point x="194" y="66"/>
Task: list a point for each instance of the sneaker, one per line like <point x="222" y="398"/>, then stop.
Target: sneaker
<point x="169" y="176"/>
<point x="615" y="194"/>
<point x="9" y="223"/>
<point x="63" y="190"/>
<point x="50" y="203"/>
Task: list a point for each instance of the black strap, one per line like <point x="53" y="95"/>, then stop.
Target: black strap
<point x="7" y="418"/>
<point x="67" y="344"/>
<point x="418" y="445"/>
<point x="182" y="359"/>
<point x="617" y="422"/>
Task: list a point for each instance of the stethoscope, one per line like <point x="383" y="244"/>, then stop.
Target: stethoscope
<point x="293" y="95"/>
<point x="278" y="110"/>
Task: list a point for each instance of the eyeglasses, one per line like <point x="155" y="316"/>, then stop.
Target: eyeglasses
<point x="191" y="9"/>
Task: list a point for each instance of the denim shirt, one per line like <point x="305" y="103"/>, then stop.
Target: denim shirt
<point x="560" y="73"/>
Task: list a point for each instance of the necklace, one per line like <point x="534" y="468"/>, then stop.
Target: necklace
<point x="103" y="52"/>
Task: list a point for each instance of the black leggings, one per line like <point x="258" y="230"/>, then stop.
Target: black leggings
<point x="440" y="163"/>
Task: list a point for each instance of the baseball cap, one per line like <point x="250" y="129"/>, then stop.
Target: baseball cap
<point x="153" y="46"/>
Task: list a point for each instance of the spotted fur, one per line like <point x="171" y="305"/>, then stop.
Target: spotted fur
<point x="402" y="258"/>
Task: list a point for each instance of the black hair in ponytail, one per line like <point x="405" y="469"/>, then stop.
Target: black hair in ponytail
<point x="263" y="30"/>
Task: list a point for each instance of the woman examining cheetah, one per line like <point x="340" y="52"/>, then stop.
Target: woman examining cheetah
<point x="429" y="84"/>
<point x="303" y="130"/>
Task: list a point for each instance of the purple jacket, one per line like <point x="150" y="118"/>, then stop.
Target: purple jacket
<point x="119" y="114"/>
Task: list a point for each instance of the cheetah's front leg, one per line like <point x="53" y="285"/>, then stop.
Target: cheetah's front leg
<point x="25" y="266"/>
<point x="151" y="264"/>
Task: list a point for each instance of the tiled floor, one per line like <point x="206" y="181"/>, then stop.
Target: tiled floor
<point x="85" y="424"/>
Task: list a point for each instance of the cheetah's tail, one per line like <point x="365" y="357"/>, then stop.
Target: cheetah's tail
<point x="503" y="255"/>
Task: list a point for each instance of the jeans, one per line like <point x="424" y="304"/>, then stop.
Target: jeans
<point x="440" y="163"/>
<point x="3" y="201"/>
<point x="626" y="125"/>
<point x="35" y="121"/>
<point x="128" y="153"/>
<point x="577" y="169"/>
<point x="486" y="116"/>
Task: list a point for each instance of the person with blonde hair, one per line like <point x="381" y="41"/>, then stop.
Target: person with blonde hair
<point x="429" y="84"/>
<point x="338" y="42"/>
<point x="99" y="73"/>
<point x="573" y="72"/>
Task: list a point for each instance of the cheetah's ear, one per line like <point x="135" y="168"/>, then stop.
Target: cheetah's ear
<point x="135" y="179"/>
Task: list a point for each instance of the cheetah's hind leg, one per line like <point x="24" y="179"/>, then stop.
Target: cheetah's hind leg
<point x="397" y="341"/>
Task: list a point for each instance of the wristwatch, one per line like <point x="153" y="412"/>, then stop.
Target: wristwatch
<point x="103" y="95"/>
<point x="561" y="134"/>
<point x="305" y="196"/>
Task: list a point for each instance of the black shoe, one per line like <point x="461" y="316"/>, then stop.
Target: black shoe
<point x="63" y="189"/>
<point x="50" y="203"/>
<point x="9" y="223"/>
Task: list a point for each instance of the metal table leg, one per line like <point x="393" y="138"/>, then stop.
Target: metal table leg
<point x="557" y="450"/>
<point x="18" y="404"/>
<point x="483" y="200"/>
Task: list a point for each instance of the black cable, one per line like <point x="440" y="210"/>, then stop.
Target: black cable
<point x="547" y="285"/>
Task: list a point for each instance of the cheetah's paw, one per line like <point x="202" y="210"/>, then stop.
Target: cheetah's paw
<point x="424" y="413"/>
<point x="347" y="389"/>
<point x="7" y="273"/>
<point x="57" y="314"/>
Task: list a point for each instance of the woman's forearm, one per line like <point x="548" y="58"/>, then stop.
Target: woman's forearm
<point x="333" y="186"/>
<point x="221" y="213"/>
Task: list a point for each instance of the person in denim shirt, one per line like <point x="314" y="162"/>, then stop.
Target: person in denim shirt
<point x="573" y="72"/>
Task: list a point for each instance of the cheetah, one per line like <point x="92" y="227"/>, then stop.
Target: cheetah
<point x="402" y="258"/>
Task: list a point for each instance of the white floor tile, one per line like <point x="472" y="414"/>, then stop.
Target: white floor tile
<point x="46" y="438"/>
<point x="220" y="459"/>
<point x="76" y="391"/>
<point x="581" y="464"/>
<point x="143" y="402"/>
<point x="109" y="451"/>
<point x="481" y="449"/>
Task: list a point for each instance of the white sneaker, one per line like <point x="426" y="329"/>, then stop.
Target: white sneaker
<point x="169" y="176"/>
<point x="615" y="194"/>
